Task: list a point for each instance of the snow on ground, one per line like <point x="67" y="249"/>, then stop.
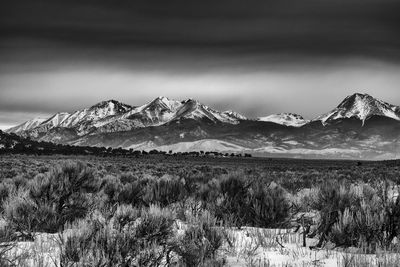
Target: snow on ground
<point x="325" y="151"/>
<point x="283" y="248"/>
<point x="247" y="246"/>
<point x="44" y="251"/>
<point x="306" y="151"/>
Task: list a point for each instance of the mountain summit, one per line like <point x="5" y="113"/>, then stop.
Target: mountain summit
<point x="110" y="107"/>
<point x="362" y="107"/>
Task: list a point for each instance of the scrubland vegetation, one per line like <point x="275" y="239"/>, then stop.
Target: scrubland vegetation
<point x="168" y="212"/>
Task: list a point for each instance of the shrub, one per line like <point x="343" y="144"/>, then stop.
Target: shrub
<point x="131" y="237"/>
<point x="111" y="187"/>
<point x="209" y="192"/>
<point x="232" y="206"/>
<point x="243" y="201"/>
<point x="200" y="243"/>
<point x="331" y="200"/>
<point x="358" y="215"/>
<point x="7" y="243"/>
<point x="125" y="214"/>
<point x="128" y="178"/>
<point x="63" y="191"/>
<point x="391" y="209"/>
<point x="19" y="181"/>
<point x="267" y="206"/>
<point x="131" y="193"/>
<point x="19" y="212"/>
<point x="187" y="208"/>
<point x="5" y="191"/>
<point x="164" y="192"/>
<point x="51" y="200"/>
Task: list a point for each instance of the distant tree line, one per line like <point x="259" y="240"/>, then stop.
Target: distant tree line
<point x="14" y="144"/>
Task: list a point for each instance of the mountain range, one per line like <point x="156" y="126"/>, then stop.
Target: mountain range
<point x="361" y="126"/>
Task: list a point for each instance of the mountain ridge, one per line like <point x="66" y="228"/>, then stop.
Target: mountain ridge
<point x="154" y="113"/>
<point x="359" y="126"/>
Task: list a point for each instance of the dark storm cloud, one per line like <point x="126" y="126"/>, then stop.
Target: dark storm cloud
<point x="312" y="27"/>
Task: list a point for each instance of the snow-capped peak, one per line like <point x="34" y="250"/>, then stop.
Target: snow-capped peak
<point x="111" y="107"/>
<point x="234" y="114"/>
<point x="287" y="119"/>
<point x="163" y="102"/>
<point x="156" y="112"/>
<point x="163" y="99"/>
<point x="26" y="125"/>
<point x="193" y="109"/>
<point x="361" y="106"/>
<point x="191" y="101"/>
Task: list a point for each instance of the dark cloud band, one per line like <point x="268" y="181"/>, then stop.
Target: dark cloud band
<point x="311" y="27"/>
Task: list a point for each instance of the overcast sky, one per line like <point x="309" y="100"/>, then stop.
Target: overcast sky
<point x="254" y="57"/>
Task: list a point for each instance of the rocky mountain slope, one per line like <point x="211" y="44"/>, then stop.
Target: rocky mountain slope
<point x="359" y="127"/>
<point x="288" y="119"/>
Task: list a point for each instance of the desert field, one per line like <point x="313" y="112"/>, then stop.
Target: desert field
<point x="164" y="210"/>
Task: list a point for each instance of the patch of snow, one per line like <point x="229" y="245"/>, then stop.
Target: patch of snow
<point x="270" y="149"/>
<point x="292" y="142"/>
<point x="325" y="151"/>
<point x="287" y="119"/>
<point x="148" y="145"/>
<point x="260" y="247"/>
<point x="57" y="119"/>
<point x="234" y="114"/>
